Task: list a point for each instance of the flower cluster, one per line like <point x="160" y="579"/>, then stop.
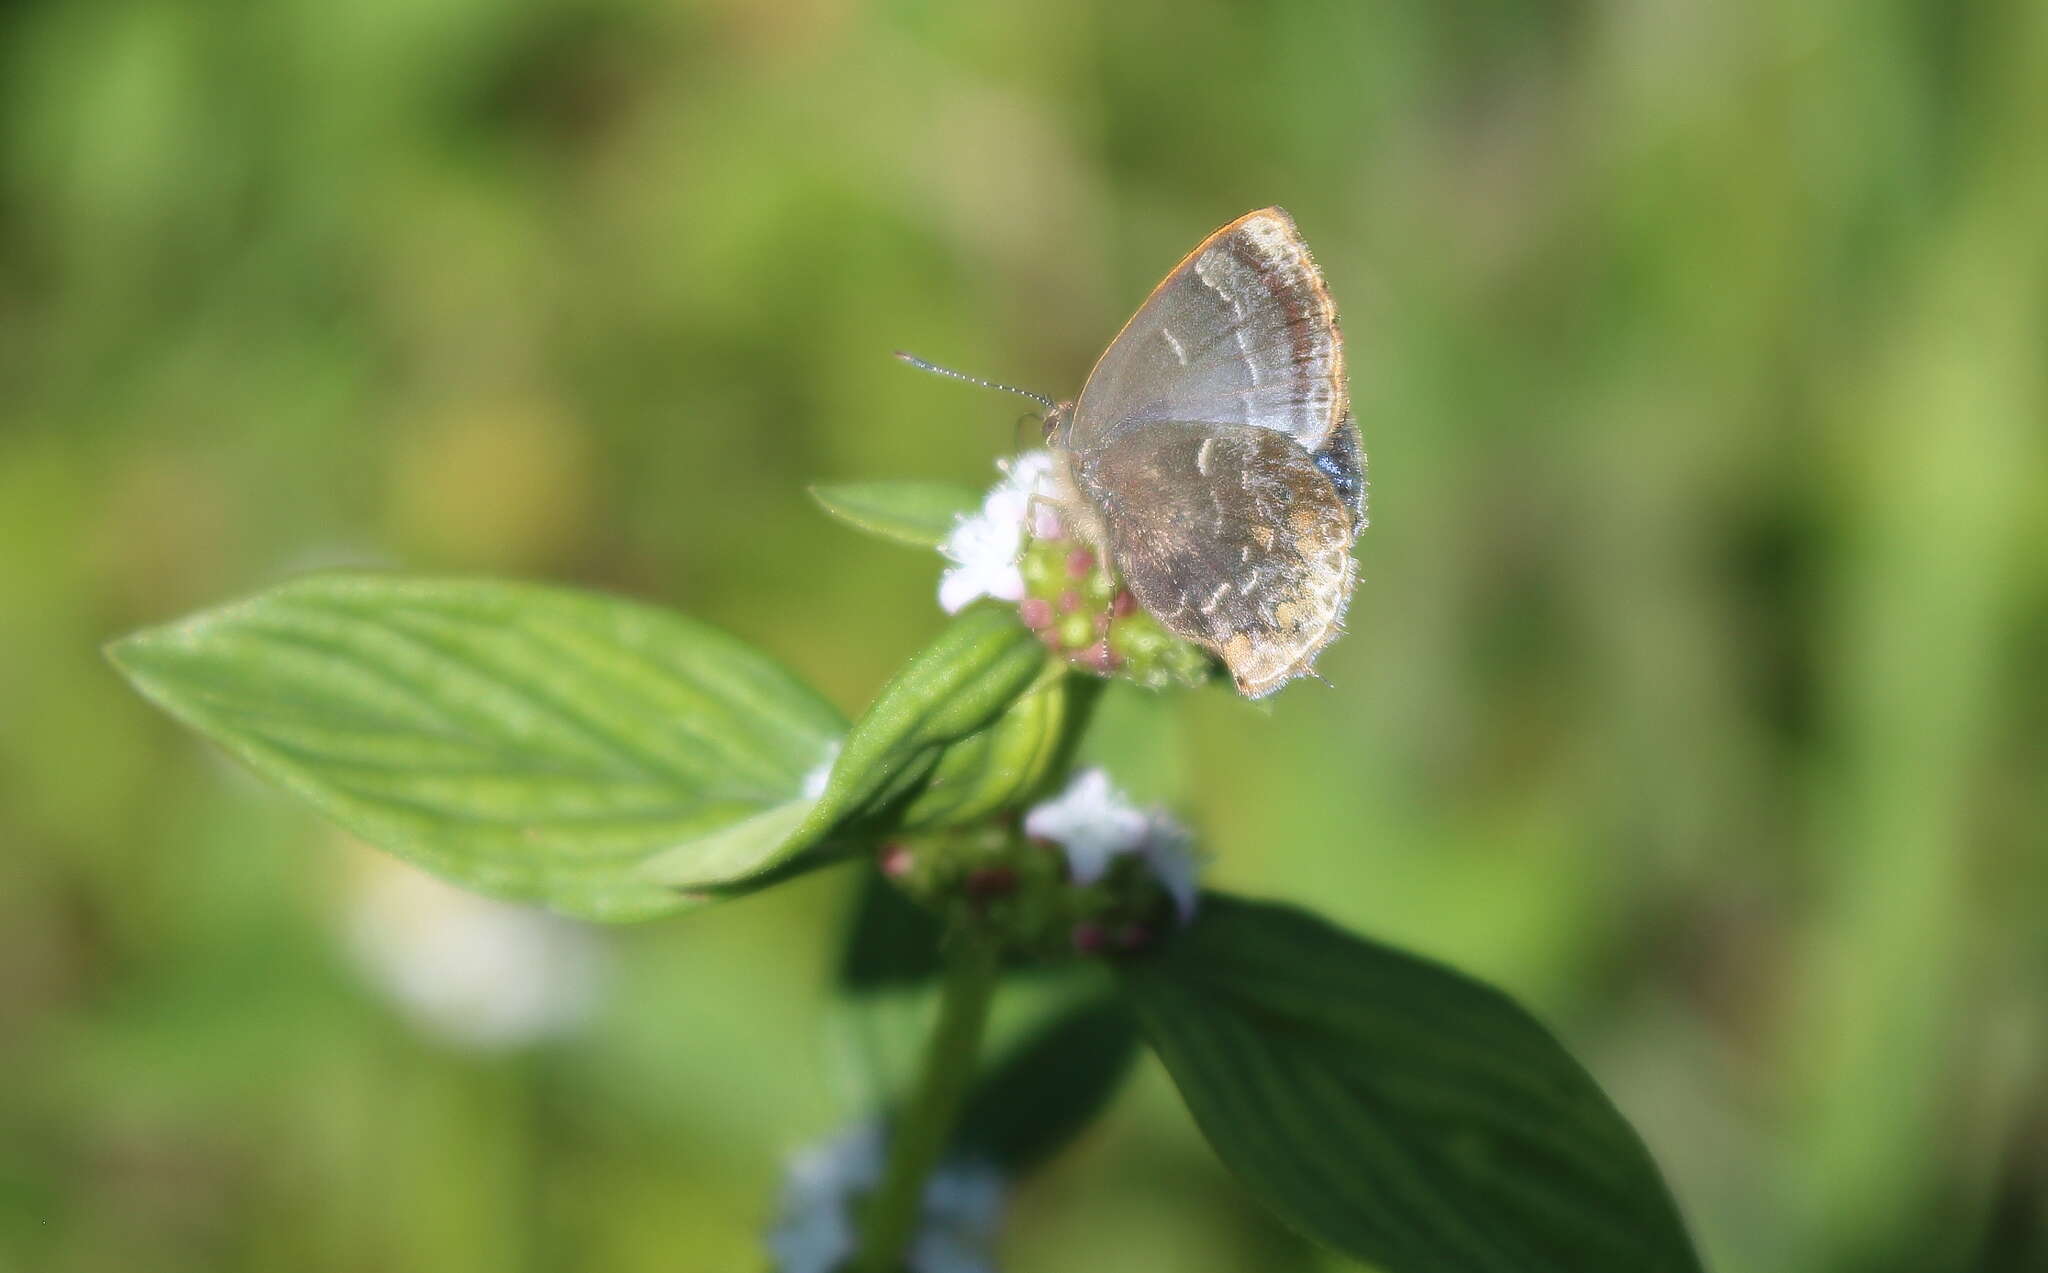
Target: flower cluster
<point x="1018" y="548"/>
<point x="985" y="548"/>
<point x="1086" y="872"/>
<point x="1094" y="824"/>
<point x="815" y="1229"/>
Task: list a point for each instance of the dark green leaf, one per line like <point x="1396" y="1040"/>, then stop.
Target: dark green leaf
<point x="920" y="514"/>
<point x="1048" y="1089"/>
<point x="955" y="688"/>
<point x="528" y="742"/>
<point x="891" y="941"/>
<point x="1400" y="1112"/>
<point x="886" y="985"/>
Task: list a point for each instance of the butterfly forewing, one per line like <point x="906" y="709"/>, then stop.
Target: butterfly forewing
<point x="1241" y="332"/>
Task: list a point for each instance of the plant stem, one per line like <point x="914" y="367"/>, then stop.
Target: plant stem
<point x="917" y="1136"/>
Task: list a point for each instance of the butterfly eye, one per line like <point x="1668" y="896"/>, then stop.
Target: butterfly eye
<point x="1055" y="423"/>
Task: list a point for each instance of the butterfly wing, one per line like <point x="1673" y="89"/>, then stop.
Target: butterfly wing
<point x="1243" y="331"/>
<point x="1231" y="535"/>
<point x="1214" y="446"/>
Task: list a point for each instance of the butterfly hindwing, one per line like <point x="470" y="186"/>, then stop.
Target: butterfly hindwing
<point x="1231" y="535"/>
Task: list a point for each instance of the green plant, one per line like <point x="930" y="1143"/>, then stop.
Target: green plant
<point x="619" y="763"/>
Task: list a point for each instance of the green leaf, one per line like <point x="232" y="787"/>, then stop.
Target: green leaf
<point x="958" y="686"/>
<point x="1009" y="762"/>
<point x="891" y="942"/>
<point x="528" y="742"/>
<point x="1400" y="1112"/>
<point x="885" y="992"/>
<point x="1047" y="1090"/>
<point x="920" y="514"/>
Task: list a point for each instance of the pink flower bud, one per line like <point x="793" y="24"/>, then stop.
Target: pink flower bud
<point x="1098" y="657"/>
<point x="895" y="859"/>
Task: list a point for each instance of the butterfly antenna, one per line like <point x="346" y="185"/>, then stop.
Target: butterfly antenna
<point x="937" y="370"/>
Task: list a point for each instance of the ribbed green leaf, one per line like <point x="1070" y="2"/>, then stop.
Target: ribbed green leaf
<point x="528" y="742"/>
<point x="996" y="767"/>
<point x="1396" y="1110"/>
<point x="955" y="688"/>
<point x="920" y="514"/>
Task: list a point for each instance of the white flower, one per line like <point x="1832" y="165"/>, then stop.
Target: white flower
<point x="815" y="1230"/>
<point x="1091" y="821"/>
<point x="479" y="973"/>
<point x="1169" y="851"/>
<point x="1094" y="823"/>
<point x="984" y="547"/>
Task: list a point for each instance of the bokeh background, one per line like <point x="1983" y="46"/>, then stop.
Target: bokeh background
<point x="1694" y="692"/>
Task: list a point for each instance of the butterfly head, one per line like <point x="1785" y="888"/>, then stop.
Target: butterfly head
<point x="1059" y="423"/>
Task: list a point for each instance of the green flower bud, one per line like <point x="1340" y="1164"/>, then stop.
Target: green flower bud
<point x="1077" y="606"/>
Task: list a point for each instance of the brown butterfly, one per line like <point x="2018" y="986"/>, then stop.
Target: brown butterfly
<point x="1212" y="457"/>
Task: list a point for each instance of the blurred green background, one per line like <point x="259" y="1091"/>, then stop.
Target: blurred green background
<point x="1694" y="691"/>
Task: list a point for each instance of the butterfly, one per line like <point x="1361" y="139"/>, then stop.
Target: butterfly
<point x="1212" y="458"/>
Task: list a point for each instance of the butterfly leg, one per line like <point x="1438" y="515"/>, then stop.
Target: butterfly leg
<point x="1045" y="516"/>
